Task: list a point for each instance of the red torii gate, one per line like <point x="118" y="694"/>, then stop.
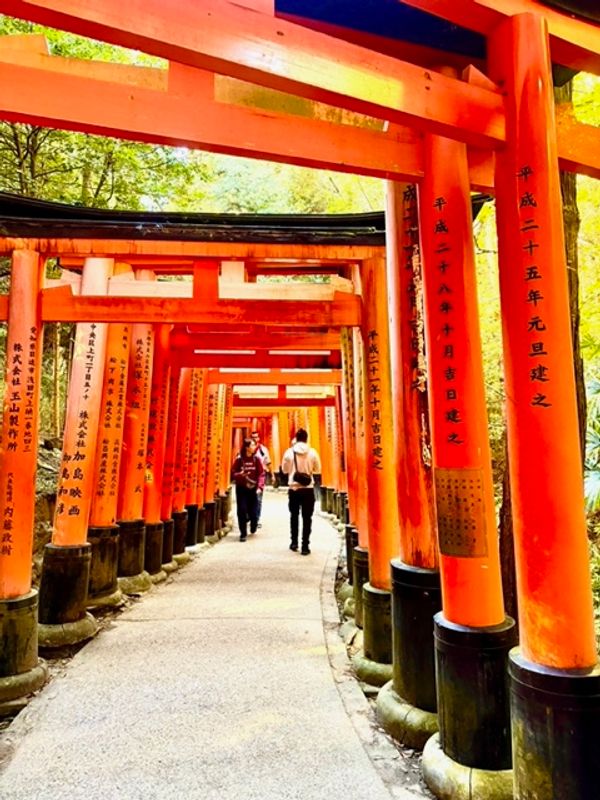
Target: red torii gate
<point x="558" y="655"/>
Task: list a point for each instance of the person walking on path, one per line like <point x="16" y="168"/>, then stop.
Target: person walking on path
<point x="299" y="463"/>
<point x="248" y="474"/>
<point x="263" y="454"/>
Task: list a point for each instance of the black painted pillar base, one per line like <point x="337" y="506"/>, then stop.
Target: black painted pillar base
<point x="153" y="552"/>
<point x="62" y="614"/>
<point x="472" y="692"/>
<point x="209" y="516"/>
<point x="21" y="671"/>
<point x="471" y="755"/>
<point x="224" y="512"/>
<point x="179" y="533"/>
<point x="407" y="706"/>
<point x="323" y="499"/>
<point x="335" y="507"/>
<point x="191" y="534"/>
<point x="374" y="664"/>
<point x="345" y="509"/>
<point x="416" y="599"/>
<point x="168" y="562"/>
<point x="329" y="492"/>
<point x="201" y="525"/>
<point x="349" y="549"/>
<point x="133" y="579"/>
<point x="218" y="513"/>
<point x="555" y="723"/>
<point x="360" y="573"/>
<point x="103" y="588"/>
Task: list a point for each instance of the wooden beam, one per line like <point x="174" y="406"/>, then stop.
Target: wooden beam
<point x="243" y="361"/>
<point x="191" y="118"/>
<point x="275" y="404"/>
<point x="300" y="340"/>
<point x="60" y="305"/>
<point x="111" y="100"/>
<point x="254" y="47"/>
<point x="275" y="377"/>
<point x="125" y="248"/>
<point x="573" y="41"/>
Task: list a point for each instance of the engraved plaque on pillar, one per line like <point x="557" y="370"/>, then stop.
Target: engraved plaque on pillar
<point x="461" y="512"/>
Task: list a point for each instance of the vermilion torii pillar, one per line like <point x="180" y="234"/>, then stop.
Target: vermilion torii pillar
<point x="155" y="454"/>
<point x="384" y="538"/>
<point x="133" y="575"/>
<point x="166" y="503"/>
<point x="473" y="710"/>
<point x="20" y="670"/>
<point x="407" y="705"/>
<point x="66" y="566"/>
<point x="555" y="680"/>
<point x="195" y="526"/>
<point x="180" y="476"/>
<point x="103" y="532"/>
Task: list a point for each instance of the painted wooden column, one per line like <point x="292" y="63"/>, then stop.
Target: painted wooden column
<point x="21" y="672"/>
<point x="384" y="538"/>
<point x="407" y="705"/>
<point x="472" y="701"/>
<point x="276" y="451"/>
<point x="180" y="474"/>
<point x="66" y="567"/>
<point x="210" y="459"/>
<point x="555" y="681"/>
<point x="226" y="456"/>
<point x="103" y="532"/>
<point x="155" y="455"/>
<point x="362" y="494"/>
<point x="166" y="503"/>
<point x="195" y="527"/>
<point x="349" y="419"/>
<point x="191" y="464"/>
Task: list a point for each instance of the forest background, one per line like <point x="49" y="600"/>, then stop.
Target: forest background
<point x="86" y="170"/>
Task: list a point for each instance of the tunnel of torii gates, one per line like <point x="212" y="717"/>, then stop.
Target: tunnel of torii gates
<point x="156" y="398"/>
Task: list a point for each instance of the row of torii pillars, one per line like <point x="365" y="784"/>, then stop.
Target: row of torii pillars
<point x="442" y="542"/>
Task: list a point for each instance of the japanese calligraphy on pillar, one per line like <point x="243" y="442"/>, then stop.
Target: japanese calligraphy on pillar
<point x="171" y="437"/>
<point x="375" y="421"/>
<point x="539" y="376"/>
<point x="108" y="453"/>
<point x="447" y="314"/>
<point x="79" y="445"/>
<point x="349" y="379"/>
<point x="411" y="317"/>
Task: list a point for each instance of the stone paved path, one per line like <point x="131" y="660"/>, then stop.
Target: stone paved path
<point x="219" y="685"/>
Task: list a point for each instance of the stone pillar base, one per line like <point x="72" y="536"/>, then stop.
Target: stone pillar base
<point x="182" y="558"/>
<point x="193" y="549"/>
<point x="158" y="577"/>
<point x="50" y="636"/>
<point x="452" y="781"/>
<point x="13" y="687"/>
<point x="371" y="672"/>
<point x="135" y="584"/>
<point x="111" y="600"/>
<point x="172" y="566"/>
<point x="407" y="724"/>
<point x="345" y="591"/>
<point x="349" y="607"/>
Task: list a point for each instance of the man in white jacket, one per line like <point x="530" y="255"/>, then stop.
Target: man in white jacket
<point x="299" y="463"/>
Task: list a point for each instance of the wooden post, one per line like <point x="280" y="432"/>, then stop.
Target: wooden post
<point x="166" y="502"/>
<point x="555" y="681"/>
<point x="66" y="566"/>
<point x="133" y="550"/>
<point x="103" y="532"/>
<point x="384" y="538"/>
<point x="473" y="709"/>
<point x="20" y="670"/>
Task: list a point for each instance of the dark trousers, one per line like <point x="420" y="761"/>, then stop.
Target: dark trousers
<point x="301" y="500"/>
<point x="259" y="499"/>
<point x="246" y="502"/>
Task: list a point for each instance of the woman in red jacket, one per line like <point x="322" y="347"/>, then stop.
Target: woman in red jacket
<point x="248" y="474"/>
